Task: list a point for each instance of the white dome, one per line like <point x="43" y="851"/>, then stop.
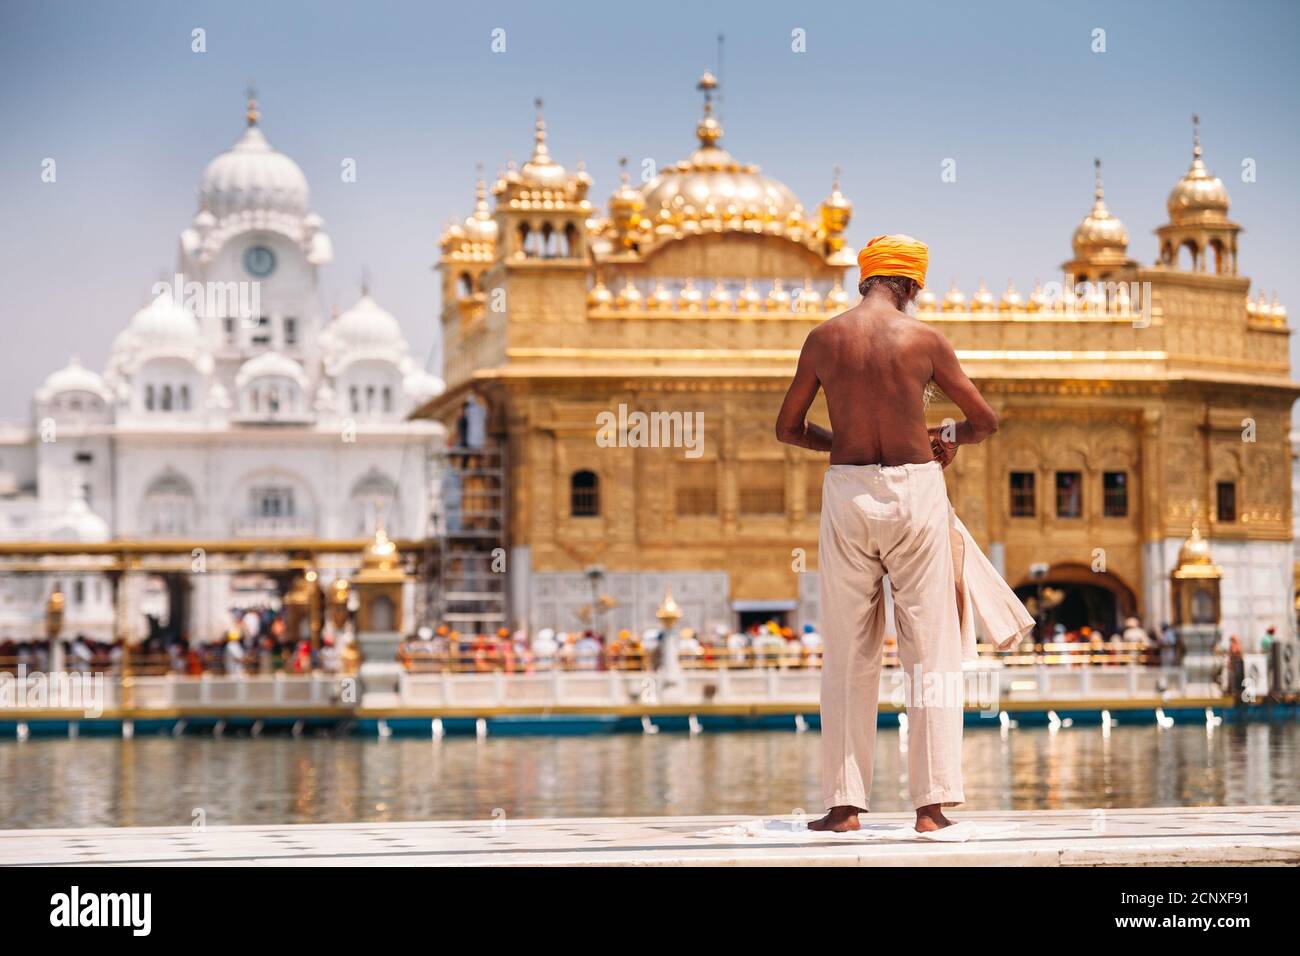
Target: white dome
<point x="79" y="523"/>
<point x="164" y="322"/>
<point x="270" y="364"/>
<point x="422" y="386"/>
<point x="253" y="175"/>
<point x="367" y="325"/>
<point x="73" y="378"/>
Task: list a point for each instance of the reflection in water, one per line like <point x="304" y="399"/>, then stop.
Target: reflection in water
<point x="158" y="781"/>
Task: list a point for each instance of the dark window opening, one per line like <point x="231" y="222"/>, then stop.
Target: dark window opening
<point x="1022" y="494"/>
<point x="1114" y="485"/>
<point x="1069" y="494"/>
<point x="1225" y="499"/>
<point x="584" y="494"/>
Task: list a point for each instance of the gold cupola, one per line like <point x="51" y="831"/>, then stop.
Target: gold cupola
<point x="1194" y="559"/>
<point x="1011" y="300"/>
<point x="710" y="191"/>
<point x="629" y="297"/>
<point x="625" y="207"/>
<point x="480" y="227"/>
<point x="1198" y="228"/>
<point x="1099" y="232"/>
<point x="982" y="301"/>
<point x="954" y="301"/>
<point x="1199" y="196"/>
<point x="1100" y="241"/>
<point x="600" y="297"/>
<point x="833" y="217"/>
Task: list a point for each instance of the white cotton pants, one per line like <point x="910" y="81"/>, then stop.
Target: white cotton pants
<point x="894" y="520"/>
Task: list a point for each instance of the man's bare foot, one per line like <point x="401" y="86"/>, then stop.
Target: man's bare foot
<point x="931" y="818"/>
<point x="838" y="820"/>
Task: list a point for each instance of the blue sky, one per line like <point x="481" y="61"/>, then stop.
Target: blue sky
<point x="412" y="91"/>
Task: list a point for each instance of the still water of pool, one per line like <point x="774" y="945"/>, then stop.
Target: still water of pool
<point x="165" y="781"/>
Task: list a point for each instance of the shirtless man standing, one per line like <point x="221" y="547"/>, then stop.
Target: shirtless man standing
<point x="885" y="510"/>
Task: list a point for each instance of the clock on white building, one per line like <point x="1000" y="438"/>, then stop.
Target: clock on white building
<point x="259" y="261"/>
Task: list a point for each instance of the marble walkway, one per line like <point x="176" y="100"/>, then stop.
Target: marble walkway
<point x="1205" y="836"/>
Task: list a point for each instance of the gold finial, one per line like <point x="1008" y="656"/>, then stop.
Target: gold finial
<point x="1196" y="136"/>
<point x="540" y="152"/>
<point x="365" y="288"/>
<point x="835" y="178"/>
<point x="623" y="176"/>
<point x="1096" y="167"/>
<point x="669" y="612"/>
<point x="252" y="115"/>
<point x="709" y="129"/>
<point x="481" y="210"/>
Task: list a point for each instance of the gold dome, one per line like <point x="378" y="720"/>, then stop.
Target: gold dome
<point x="480" y="227"/>
<point x="600" y="297"/>
<point x="629" y="297"/>
<point x="954" y="301"/>
<point x="1099" y="231"/>
<point x="1037" y="298"/>
<point x="749" y="300"/>
<point x="810" y="300"/>
<point x="719" y="298"/>
<point x="1194" y="559"/>
<point x="838" y="299"/>
<point x="833" y="216"/>
<point x="542" y="183"/>
<point x="660" y="298"/>
<point x="380" y="561"/>
<point x="778" y="300"/>
<point x="982" y="301"/>
<point x="710" y="186"/>
<point x="625" y="205"/>
<point x="1199" y="196"/>
<point x="1278" y="310"/>
<point x="926" y="301"/>
<point x="1011" y="300"/>
<point x="690" y="298"/>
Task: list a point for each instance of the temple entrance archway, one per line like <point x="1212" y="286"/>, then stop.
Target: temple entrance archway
<point x="1076" y="596"/>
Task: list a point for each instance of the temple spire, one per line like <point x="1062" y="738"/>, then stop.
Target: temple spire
<point x="251" y="114"/>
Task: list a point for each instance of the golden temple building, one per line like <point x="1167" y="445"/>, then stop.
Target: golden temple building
<point x="1134" y="399"/>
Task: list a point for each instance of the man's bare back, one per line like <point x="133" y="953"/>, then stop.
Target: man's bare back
<point x="874" y="361"/>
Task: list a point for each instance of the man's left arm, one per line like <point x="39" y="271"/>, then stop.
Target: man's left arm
<point x="792" y="425"/>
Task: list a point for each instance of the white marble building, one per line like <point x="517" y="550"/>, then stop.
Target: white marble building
<point x="230" y="407"/>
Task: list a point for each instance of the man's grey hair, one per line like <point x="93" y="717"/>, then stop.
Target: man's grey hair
<point x="899" y="288"/>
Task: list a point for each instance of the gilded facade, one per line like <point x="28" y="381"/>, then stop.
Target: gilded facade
<point x="1133" y="398"/>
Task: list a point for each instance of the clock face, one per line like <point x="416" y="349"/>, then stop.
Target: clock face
<point x="259" y="261"/>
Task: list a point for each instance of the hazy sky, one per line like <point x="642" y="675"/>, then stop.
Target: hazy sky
<point x="413" y="92"/>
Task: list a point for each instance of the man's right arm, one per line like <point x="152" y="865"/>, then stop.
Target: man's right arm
<point x="981" y="421"/>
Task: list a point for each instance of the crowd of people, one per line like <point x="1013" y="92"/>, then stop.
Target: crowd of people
<point x="256" y="642"/>
<point x="760" y="645"/>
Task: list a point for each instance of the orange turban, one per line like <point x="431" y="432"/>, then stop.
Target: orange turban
<point x="894" y="256"/>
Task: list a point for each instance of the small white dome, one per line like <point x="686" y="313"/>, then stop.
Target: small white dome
<point x="73" y="378"/>
<point x="253" y="175"/>
<point x="79" y="523"/>
<point x="422" y="386"/>
<point x="270" y="364"/>
<point x="164" y="322"/>
<point x="367" y="325"/>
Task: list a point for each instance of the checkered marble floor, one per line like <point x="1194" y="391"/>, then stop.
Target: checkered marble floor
<point x="1160" y="836"/>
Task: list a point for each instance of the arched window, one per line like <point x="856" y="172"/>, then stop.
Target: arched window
<point x="185" y="398"/>
<point x="584" y="494"/>
<point x="148" y="397"/>
<point x="465" y="286"/>
<point x="388" y="398"/>
<point x="570" y="240"/>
